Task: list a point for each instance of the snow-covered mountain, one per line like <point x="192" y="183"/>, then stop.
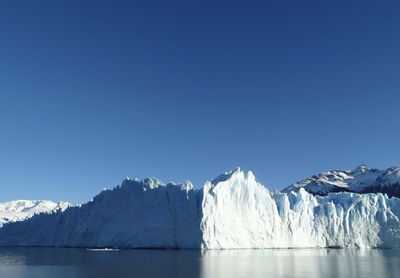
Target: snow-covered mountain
<point x="360" y="180"/>
<point x="231" y="211"/>
<point x="22" y="209"/>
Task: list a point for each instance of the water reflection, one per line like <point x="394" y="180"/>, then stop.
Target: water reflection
<point x="301" y="263"/>
<point x="77" y="263"/>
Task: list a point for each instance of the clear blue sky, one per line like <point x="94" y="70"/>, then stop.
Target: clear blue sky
<point x="93" y="91"/>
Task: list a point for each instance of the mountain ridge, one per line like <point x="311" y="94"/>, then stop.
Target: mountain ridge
<point x="18" y="210"/>
<point x="359" y="180"/>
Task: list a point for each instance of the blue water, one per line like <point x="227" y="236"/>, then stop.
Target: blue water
<point x="77" y="263"/>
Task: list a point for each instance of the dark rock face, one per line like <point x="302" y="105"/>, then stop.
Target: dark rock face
<point x="391" y="190"/>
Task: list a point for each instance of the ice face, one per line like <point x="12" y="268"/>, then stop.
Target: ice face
<point x="229" y="212"/>
<point x="241" y="213"/>
<point x="137" y="214"/>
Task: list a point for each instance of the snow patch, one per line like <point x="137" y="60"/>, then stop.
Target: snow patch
<point x="22" y="209"/>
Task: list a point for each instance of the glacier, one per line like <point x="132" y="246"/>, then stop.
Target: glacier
<point x="233" y="211"/>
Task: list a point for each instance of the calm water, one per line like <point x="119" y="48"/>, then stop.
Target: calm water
<point x="77" y="263"/>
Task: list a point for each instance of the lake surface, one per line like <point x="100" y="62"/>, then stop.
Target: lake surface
<point x="77" y="263"/>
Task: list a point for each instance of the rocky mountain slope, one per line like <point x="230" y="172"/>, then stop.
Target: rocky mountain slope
<point x="360" y="180"/>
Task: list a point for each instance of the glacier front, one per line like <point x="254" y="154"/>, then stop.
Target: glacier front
<point x="230" y="212"/>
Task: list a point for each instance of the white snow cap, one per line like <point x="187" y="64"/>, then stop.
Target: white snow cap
<point x="360" y="180"/>
<point x="22" y="209"/>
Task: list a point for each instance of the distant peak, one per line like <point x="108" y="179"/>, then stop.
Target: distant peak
<point x="362" y="167"/>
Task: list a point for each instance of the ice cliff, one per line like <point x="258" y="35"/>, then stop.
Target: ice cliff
<point x="137" y="214"/>
<point x="231" y="211"/>
<point x="238" y="212"/>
